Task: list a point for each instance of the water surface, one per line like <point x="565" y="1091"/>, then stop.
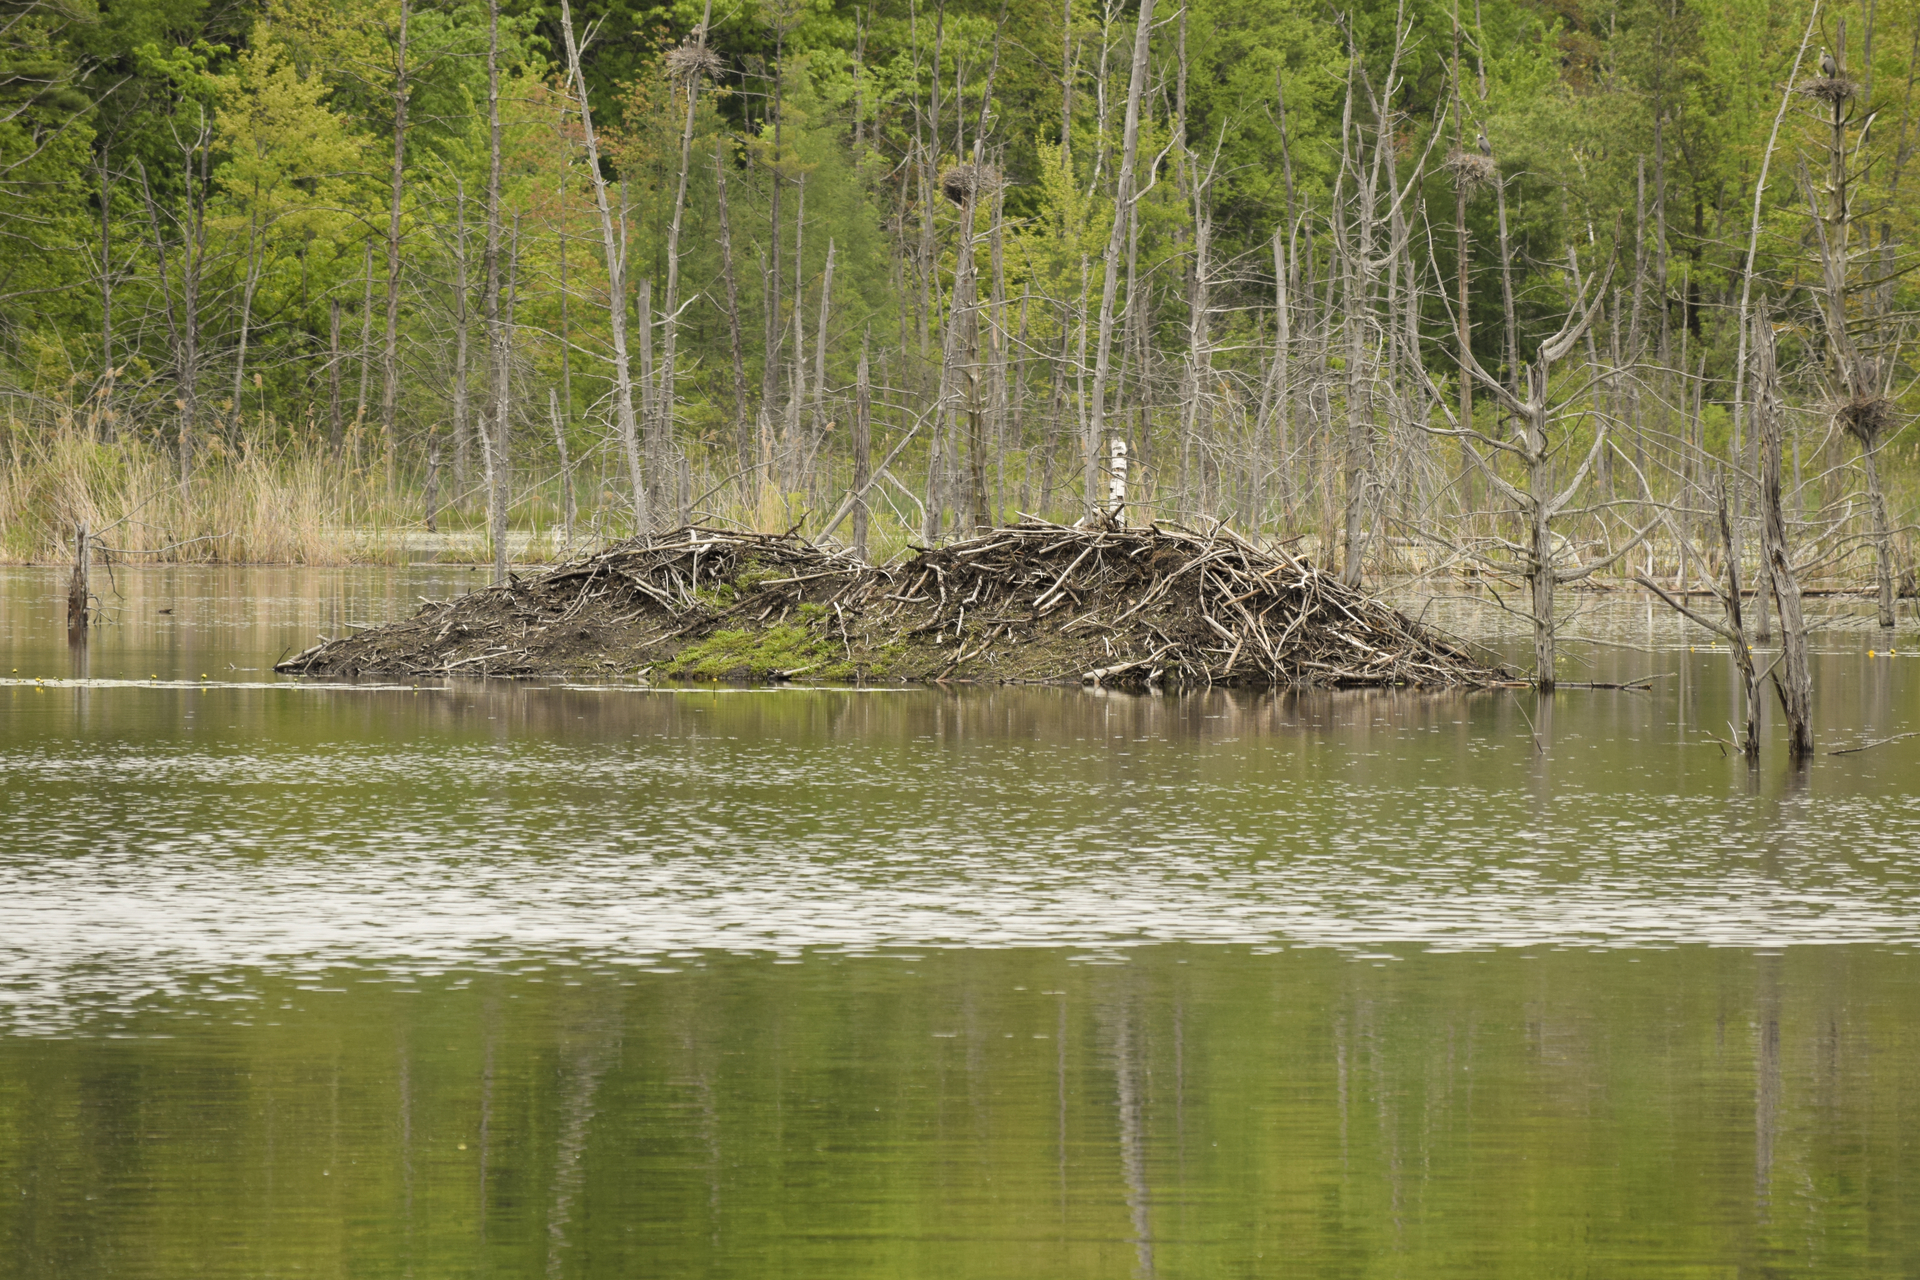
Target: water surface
<point x="600" y="980"/>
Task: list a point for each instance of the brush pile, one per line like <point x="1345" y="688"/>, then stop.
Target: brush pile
<point x="1137" y="606"/>
<point x="597" y="613"/>
<point x="1030" y="602"/>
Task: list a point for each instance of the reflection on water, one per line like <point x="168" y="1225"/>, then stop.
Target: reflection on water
<point x="990" y="1113"/>
<point x="370" y="980"/>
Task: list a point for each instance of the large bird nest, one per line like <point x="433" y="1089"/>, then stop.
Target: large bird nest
<point x="959" y="181"/>
<point x="1866" y="417"/>
<point x="1470" y="170"/>
<point x="694" y="58"/>
<point x="1832" y="90"/>
<point x="1031" y="602"/>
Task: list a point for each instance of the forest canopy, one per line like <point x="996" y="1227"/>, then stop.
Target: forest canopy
<point x="1290" y="255"/>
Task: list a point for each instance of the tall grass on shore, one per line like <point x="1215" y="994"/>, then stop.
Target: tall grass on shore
<point x="294" y="501"/>
<point x="290" y="504"/>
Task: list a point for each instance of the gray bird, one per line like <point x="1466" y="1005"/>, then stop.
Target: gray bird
<point x="1486" y="148"/>
<point x="1828" y="67"/>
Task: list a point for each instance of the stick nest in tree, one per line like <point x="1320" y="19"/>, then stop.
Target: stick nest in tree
<point x="1033" y="602"/>
<point x="691" y="59"/>
<point x="1866" y="417"/>
<point x="1832" y="90"/>
<point x="1470" y="170"/>
<point x="965" y="179"/>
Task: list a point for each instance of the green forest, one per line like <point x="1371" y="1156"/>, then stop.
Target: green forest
<point x="1515" y="285"/>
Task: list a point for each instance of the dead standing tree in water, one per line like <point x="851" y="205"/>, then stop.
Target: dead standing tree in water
<point x="78" y="589"/>
<point x="1734" y="629"/>
<point x="1791" y="675"/>
<point x="1543" y="424"/>
<point x="1861" y="343"/>
<point x="1794" y="681"/>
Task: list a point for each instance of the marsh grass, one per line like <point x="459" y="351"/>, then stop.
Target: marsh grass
<point x="289" y="506"/>
<point x="299" y="503"/>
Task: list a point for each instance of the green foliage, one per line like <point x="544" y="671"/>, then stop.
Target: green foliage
<point x="177" y="174"/>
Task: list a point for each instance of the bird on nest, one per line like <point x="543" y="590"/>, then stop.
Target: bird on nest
<point x="1828" y="67"/>
<point x="1486" y="148"/>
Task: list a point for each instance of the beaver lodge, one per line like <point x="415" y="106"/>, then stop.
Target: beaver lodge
<point x="1031" y="602"/>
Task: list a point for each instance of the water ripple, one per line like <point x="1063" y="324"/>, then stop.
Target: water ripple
<point x="415" y="858"/>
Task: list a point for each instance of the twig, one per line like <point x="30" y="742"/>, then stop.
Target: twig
<point x="1877" y="742"/>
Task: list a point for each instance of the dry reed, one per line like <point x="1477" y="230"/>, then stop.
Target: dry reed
<point x="291" y="506"/>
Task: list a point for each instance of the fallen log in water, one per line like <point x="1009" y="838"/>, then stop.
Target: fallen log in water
<point x="1033" y="601"/>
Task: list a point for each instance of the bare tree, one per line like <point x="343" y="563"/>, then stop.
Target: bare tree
<point x="1096" y="425"/>
<point x="615" y="250"/>
<point x="182" y="278"/>
<point x="689" y="63"/>
<point x="499" y="341"/>
<point x="1734" y="629"/>
<point x="1861" y="376"/>
<point x="1795" y="681"/>
<point x="396" y="188"/>
<point x="1544" y="417"/>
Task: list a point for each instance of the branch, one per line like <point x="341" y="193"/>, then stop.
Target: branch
<point x="1877" y="742"/>
<point x="1718" y="628"/>
<point x="1593" y="567"/>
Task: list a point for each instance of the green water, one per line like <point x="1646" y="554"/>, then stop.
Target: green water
<point x="600" y="981"/>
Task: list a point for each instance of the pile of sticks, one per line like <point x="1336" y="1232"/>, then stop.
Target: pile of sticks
<point x="1034" y="601"/>
<point x="1161" y="601"/>
<point x="670" y="568"/>
<point x="643" y="591"/>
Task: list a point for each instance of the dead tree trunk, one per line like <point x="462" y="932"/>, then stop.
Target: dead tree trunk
<point x="819" y="418"/>
<point x="1541" y="423"/>
<point x="566" y="464"/>
<point x="1863" y="408"/>
<point x="1736" y="625"/>
<point x="1463" y="247"/>
<point x="251" y="282"/>
<point x="862" y="446"/>
<point x="498" y="353"/>
<point x="366" y="346"/>
<point x="432" y="499"/>
<point x="770" y="269"/>
<point x="79" y="593"/>
<point x="743" y="433"/>
<point x="650" y="423"/>
<point x="792" y="454"/>
<point x="1733" y="630"/>
<point x="691" y="66"/>
<point x="334" y="437"/>
<point x="1116" y="244"/>
<point x="1742" y="317"/>
<point x="390" y="355"/>
<point x="181" y="308"/>
<point x="1794" y="681"/>
<point x="462" y="344"/>
<point x="616" y="281"/>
